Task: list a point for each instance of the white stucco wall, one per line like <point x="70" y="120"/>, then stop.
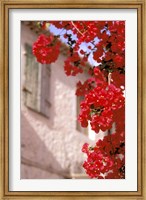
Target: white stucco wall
<point x="51" y="148"/>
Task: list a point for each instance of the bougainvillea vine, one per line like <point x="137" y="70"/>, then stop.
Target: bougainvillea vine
<point x="103" y="102"/>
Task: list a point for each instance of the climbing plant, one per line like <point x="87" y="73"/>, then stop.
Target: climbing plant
<point x="101" y="45"/>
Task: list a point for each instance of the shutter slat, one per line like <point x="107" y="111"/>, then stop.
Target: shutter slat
<point x="45" y="90"/>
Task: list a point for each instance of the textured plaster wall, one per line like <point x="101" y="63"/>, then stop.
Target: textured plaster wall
<point x="51" y="148"/>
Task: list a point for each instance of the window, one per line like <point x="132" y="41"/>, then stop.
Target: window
<point x="36" y="88"/>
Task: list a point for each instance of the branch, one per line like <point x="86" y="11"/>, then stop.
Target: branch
<point x="77" y="28"/>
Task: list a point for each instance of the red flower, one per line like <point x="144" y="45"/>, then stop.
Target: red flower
<point x="85" y="148"/>
<point x="118" y="47"/>
<point x="106" y="159"/>
<point x="118" y="61"/>
<point x="46" y="49"/>
<point x="118" y="79"/>
<point x="73" y="65"/>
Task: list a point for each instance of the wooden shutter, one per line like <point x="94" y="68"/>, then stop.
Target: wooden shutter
<point x="45" y="90"/>
<point x="37" y="84"/>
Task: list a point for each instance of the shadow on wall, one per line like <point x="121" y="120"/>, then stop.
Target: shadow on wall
<point x="62" y="91"/>
<point x="36" y="160"/>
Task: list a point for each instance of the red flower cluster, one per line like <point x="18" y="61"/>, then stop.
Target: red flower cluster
<point x="73" y="65"/>
<point x="109" y="52"/>
<point x="97" y="164"/>
<point x="114" y="53"/>
<point x="46" y="49"/>
<point x="110" y="48"/>
<point x="90" y="83"/>
<point x="84" y="88"/>
<point x="99" y="105"/>
<point x="111" y="144"/>
<point x="106" y="159"/>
